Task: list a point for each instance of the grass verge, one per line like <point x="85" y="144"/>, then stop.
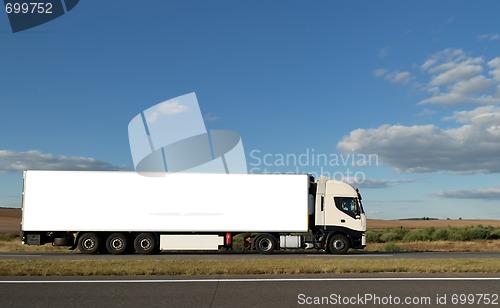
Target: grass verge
<point x="436" y="246"/>
<point x="217" y="267"/>
<point x="9" y="243"/>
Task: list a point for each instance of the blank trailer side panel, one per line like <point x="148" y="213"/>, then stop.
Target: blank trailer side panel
<point x="173" y="202"/>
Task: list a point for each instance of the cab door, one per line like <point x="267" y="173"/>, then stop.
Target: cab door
<point x="343" y="212"/>
<point x="319" y="215"/>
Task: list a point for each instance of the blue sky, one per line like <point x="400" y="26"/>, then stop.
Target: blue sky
<point x="415" y="84"/>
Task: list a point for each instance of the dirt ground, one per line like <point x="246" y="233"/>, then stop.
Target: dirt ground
<point x="10" y="219"/>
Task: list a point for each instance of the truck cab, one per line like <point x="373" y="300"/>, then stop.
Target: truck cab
<point x="339" y="214"/>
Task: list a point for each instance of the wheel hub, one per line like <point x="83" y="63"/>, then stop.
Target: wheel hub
<point x="88" y="243"/>
<point x="117" y="244"/>
<point x="145" y="244"/>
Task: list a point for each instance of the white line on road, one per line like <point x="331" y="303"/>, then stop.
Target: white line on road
<point x="251" y="280"/>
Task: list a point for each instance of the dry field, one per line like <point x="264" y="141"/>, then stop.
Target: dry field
<point x="10" y="220"/>
<point x="422" y="224"/>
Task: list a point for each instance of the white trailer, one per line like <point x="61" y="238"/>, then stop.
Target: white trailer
<point x="119" y="212"/>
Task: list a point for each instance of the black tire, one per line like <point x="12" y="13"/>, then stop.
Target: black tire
<point x="89" y="243"/>
<point x="338" y="244"/>
<point x="117" y="243"/>
<point x="265" y="244"/>
<point x="145" y="244"/>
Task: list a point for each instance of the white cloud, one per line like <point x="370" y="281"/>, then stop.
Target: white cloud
<point x="384" y="52"/>
<point x="495" y="72"/>
<point x="393" y="76"/>
<point x="449" y="56"/>
<point x="473" y="86"/>
<point x="480" y="116"/>
<point x="472" y="147"/>
<point x="451" y="99"/>
<point x="167" y="108"/>
<point x="400" y="77"/>
<point x="456" y="78"/>
<point x="13" y="161"/>
<point x="489" y="37"/>
<point x="454" y="73"/>
<point x="495" y="68"/>
<point x="490" y="193"/>
<point x="210" y="117"/>
<point x="379" y="72"/>
<point x="368" y="183"/>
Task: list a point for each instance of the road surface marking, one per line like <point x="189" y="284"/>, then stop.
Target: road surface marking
<point x="252" y="280"/>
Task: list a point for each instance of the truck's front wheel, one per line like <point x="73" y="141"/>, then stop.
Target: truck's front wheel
<point x="89" y="243"/>
<point x="338" y="244"/>
<point x="145" y="244"/>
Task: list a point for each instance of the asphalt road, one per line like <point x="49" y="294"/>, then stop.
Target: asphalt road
<point x="387" y="290"/>
<point x="233" y="256"/>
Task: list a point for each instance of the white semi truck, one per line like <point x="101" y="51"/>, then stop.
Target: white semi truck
<point x="122" y="212"/>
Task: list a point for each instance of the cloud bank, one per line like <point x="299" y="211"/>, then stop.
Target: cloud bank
<point x="456" y="78"/>
<point x="491" y="193"/>
<point x="473" y="147"/>
<point x="13" y="161"/>
<point x="372" y="183"/>
<point x="470" y="141"/>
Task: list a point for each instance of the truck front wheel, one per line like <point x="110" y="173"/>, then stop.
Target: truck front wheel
<point x="145" y="244"/>
<point x="89" y="243"/>
<point x="338" y="244"/>
<point x="117" y="243"/>
<point x="265" y="243"/>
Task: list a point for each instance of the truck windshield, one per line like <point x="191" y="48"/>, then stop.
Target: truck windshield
<point x="348" y="205"/>
<point x="362" y="211"/>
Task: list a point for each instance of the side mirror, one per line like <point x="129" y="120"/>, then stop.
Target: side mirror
<point x="357" y="217"/>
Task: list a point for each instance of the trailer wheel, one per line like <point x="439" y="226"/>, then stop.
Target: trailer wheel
<point x="89" y="243"/>
<point x="265" y="243"/>
<point x="117" y="243"/>
<point x="145" y="244"/>
<point x="338" y="244"/>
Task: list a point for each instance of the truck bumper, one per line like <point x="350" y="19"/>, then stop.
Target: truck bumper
<point x="359" y="242"/>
